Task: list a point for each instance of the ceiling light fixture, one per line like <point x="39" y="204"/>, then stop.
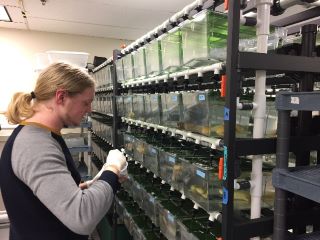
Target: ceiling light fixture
<point x="4" y="15"/>
<point x="43" y="2"/>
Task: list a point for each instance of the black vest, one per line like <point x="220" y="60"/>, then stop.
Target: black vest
<point x="29" y="218"/>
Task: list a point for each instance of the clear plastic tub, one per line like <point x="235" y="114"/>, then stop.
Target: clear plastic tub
<point x="171" y="52"/>
<point x="139" y="67"/>
<point x="120" y="106"/>
<point x="138" y="150"/>
<point x="153" y="56"/>
<point x="151" y="159"/>
<point x="79" y="59"/>
<point x="138" y="107"/>
<point x="172" y="110"/>
<point x="153" y="110"/>
<point x="119" y="70"/>
<point x="151" y="208"/>
<point x="127" y="62"/>
<point x="128" y="107"/>
<point x="203" y="186"/>
<point x="128" y="144"/>
<point x="204" y="114"/>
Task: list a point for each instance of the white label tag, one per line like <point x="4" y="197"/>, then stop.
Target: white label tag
<point x="172" y="159"/>
<point x="200" y="173"/>
<point x="295" y="100"/>
<point x="202" y="97"/>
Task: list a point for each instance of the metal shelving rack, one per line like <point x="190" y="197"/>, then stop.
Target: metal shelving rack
<point x="301" y="180"/>
<point x="236" y="63"/>
<point x="242" y="61"/>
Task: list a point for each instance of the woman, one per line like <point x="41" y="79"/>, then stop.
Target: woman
<point x="38" y="178"/>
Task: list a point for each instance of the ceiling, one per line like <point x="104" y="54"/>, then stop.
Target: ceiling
<point x="119" y="19"/>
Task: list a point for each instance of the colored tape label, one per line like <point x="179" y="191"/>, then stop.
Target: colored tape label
<point x="225" y="196"/>
<point x="226" y="114"/>
<point x="225" y="160"/>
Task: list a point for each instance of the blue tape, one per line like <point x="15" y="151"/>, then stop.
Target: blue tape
<point x="225" y="196"/>
<point x="226" y="114"/>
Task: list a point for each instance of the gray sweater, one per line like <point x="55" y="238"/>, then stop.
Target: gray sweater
<point x="39" y="162"/>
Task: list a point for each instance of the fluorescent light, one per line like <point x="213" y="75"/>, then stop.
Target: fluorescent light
<point x="4" y="15"/>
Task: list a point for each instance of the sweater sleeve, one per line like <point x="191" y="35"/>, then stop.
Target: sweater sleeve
<point x="39" y="162"/>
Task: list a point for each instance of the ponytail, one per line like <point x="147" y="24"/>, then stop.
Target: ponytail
<point x="20" y="108"/>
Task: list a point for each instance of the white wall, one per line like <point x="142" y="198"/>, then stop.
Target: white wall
<point x="18" y="49"/>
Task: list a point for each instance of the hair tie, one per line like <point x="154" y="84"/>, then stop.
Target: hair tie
<point x="33" y="95"/>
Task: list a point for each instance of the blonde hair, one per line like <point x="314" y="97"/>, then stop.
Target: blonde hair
<point x="56" y="76"/>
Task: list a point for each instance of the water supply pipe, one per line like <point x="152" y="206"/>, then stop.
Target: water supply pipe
<point x="263" y="24"/>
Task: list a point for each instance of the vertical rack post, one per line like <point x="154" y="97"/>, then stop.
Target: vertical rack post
<point x="280" y="203"/>
<point x="115" y="126"/>
<point x="90" y="146"/>
<point x="308" y="44"/>
<point x="230" y="119"/>
<point x="115" y="120"/>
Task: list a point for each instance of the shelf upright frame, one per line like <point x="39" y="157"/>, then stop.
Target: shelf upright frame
<point x="115" y="127"/>
<point x="230" y="120"/>
<point x="115" y="93"/>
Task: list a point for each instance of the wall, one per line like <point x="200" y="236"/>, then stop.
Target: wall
<point x="18" y="50"/>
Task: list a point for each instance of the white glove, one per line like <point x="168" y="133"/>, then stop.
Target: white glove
<point x="117" y="159"/>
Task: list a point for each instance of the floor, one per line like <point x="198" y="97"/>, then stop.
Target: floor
<point x="4" y="231"/>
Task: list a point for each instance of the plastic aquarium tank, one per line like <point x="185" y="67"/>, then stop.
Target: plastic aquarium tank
<point x="142" y="228"/>
<point x="171" y="51"/>
<point x="201" y="182"/>
<point x="151" y="159"/>
<point x="138" y="106"/>
<point x="153" y="58"/>
<point x="203" y="113"/>
<point x="137" y="193"/>
<point x="139" y="67"/>
<point x="169" y="162"/>
<point x="271" y="118"/>
<point x="199" y="111"/>
<point x="168" y="222"/>
<point x="153" y="111"/>
<point x="127" y="62"/>
<point x="195" y="40"/>
<point x="172" y="110"/>
<point x="150" y="207"/>
<point x="199" y="229"/>
<point x="138" y="150"/>
<point x="172" y="169"/>
<point x="119" y="70"/>
<point x="128" y="107"/>
<point x="204" y="39"/>
<point x="120" y="106"/>
<point x="108" y="77"/>
<point x="173" y="211"/>
<point x="128" y="141"/>
<point x="108" y="104"/>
